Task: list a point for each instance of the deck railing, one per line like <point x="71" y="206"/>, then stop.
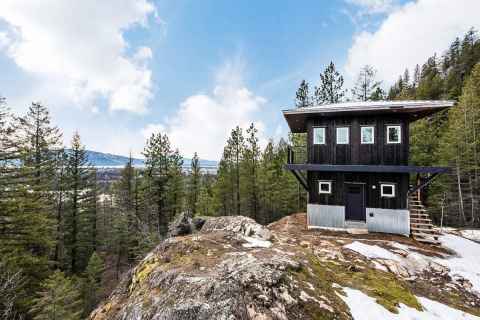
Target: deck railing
<point x="297" y="154"/>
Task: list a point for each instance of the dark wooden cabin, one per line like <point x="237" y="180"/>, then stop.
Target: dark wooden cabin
<point x="355" y="164"/>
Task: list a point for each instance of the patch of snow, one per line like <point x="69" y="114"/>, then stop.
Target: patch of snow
<point x="407" y="263"/>
<point x="256" y="243"/>
<point x="363" y="307"/>
<point x="467" y="262"/>
<point x="400" y="246"/>
<point x="372" y="252"/>
<point x="473" y="234"/>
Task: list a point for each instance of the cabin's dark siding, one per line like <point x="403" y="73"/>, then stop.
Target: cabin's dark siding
<point x="373" y="198"/>
<point x="356" y="153"/>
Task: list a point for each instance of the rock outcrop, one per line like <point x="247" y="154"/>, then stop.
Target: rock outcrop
<point x="235" y="268"/>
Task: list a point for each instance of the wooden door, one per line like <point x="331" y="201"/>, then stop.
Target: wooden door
<point x="355" y="202"/>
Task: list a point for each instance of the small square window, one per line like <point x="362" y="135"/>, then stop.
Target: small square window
<point x="318" y="135"/>
<point x="394" y="134"/>
<point x="367" y="135"/>
<point x="325" y="187"/>
<point x="387" y="190"/>
<point x="343" y="135"/>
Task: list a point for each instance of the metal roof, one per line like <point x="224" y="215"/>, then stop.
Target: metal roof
<point x="414" y="109"/>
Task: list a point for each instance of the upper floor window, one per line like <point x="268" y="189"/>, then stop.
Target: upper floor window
<point x="318" y="135"/>
<point x="394" y="134"/>
<point x="343" y="135"/>
<point x="367" y="135"/>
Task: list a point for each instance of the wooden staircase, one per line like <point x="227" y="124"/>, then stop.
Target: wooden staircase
<point x="421" y="226"/>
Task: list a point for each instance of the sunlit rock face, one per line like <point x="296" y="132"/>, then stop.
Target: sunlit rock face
<point x="234" y="268"/>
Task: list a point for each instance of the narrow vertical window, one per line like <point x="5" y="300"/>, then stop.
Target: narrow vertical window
<point x="318" y="135"/>
<point x="367" y="135"/>
<point x="343" y="135"/>
<point x="394" y="134"/>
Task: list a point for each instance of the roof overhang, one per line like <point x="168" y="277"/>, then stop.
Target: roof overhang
<point x="366" y="168"/>
<point x="413" y="110"/>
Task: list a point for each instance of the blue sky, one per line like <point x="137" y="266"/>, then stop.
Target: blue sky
<point x="117" y="71"/>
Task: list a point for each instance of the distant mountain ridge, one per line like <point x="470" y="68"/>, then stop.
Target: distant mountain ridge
<point x="108" y="160"/>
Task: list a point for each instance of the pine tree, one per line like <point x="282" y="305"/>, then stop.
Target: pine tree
<point x="164" y="180"/>
<point x="58" y="299"/>
<point x="378" y="94"/>
<point x="126" y="194"/>
<point x="460" y="149"/>
<point x="92" y="286"/>
<point x="365" y="84"/>
<point x="80" y="215"/>
<point x="235" y="145"/>
<point x="194" y="185"/>
<point x="302" y="99"/>
<point x="250" y="168"/>
<point x="205" y="204"/>
<point x="27" y="184"/>
<point x="330" y="89"/>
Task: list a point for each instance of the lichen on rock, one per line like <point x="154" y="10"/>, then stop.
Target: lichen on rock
<point x="237" y="269"/>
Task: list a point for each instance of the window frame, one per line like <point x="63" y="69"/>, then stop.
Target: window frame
<point x="388" y="184"/>
<point x="399" y="134"/>
<point x="348" y="135"/>
<point x="327" y="182"/>
<point x="361" y="134"/>
<point x="324" y="136"/>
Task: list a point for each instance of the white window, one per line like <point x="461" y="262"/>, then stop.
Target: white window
<point x="343" y="135"/>
<point x="394" y="134"/>
<point x="367" y="135"/>
<point x="387" y="190"/>
<point x="325" y="187"/>
<point x="318" y="135"/>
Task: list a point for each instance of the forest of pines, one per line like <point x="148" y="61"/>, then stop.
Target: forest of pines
<point x="65" y="240"/>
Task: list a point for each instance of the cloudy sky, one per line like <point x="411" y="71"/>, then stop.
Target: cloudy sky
<point x="118" y="70"/>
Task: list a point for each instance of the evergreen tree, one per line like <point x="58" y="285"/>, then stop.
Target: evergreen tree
<point x="58" y="299"/>
<point x="330" y="89"/>
<point x="378" y="94"/>
<point x="460" y="149"/>
<point x="164" y="180"/>
<point x="27" y="183"/>
<point x="80" y="215"/>
<point x="126" y="194"/>
<point x="205" y="204"/>
<point x="194" y="185"/>
<point x="302" y="98"/>
<point x="365" y="84"/>
<point x="92" y="286"/>
<point x="250" y="168"/>
<point x="235" y="146"/>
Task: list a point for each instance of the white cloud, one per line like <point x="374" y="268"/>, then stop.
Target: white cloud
<point x="204" y="121"/>
<point x="79" y="47"/>
<point x="374" y="6"/>
<point x="4" y="40"/>
<point x="410" y="35"/>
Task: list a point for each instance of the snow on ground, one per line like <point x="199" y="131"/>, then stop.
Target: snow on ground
<point x="473" y="234"/>
<point x="467" y="261"/>
<point x="253" y="242"/>
<point x="363" y="307"/>
<point x="372" y="252"/>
